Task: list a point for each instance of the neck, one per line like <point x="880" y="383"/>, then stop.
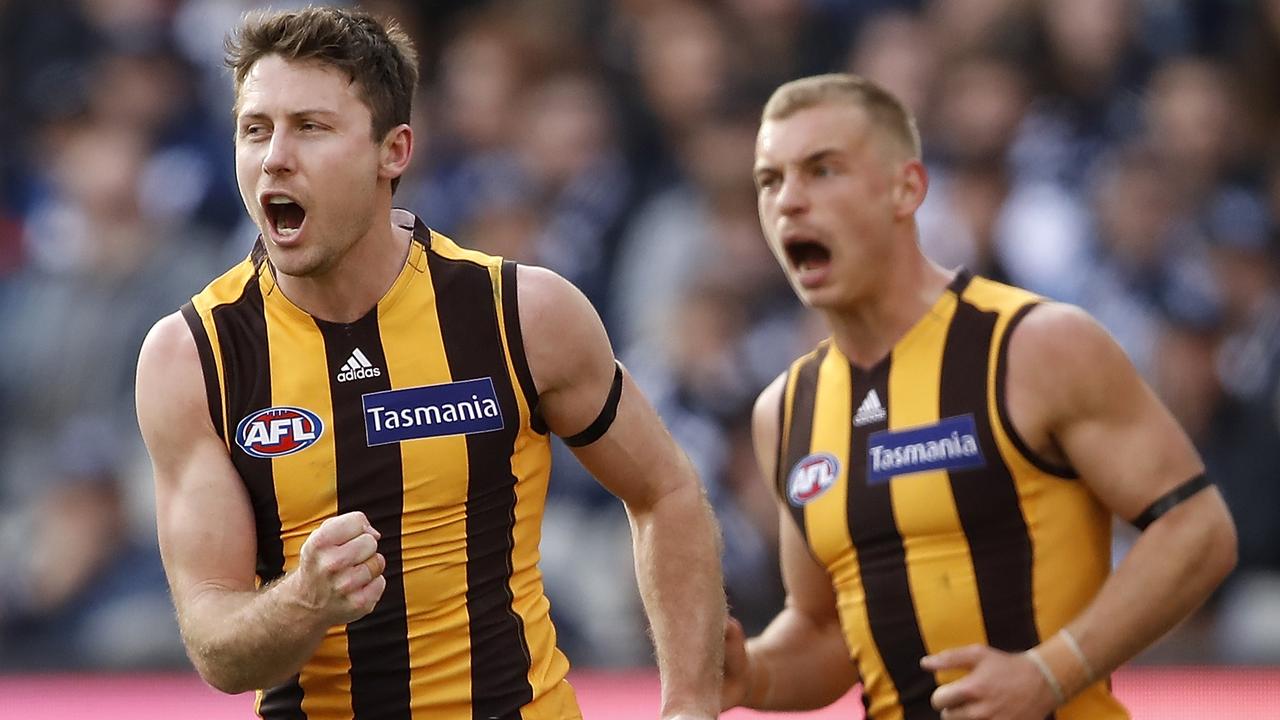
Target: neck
<point x="349" y="289"/>
<point x="866" y="330"/>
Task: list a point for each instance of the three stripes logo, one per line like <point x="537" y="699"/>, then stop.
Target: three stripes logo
<point x="358" y="367"/>
<point x="870" y="411"/>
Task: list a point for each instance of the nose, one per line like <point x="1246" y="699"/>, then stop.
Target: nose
<point x="279" y="157"/>
<point x="792" y="196"/>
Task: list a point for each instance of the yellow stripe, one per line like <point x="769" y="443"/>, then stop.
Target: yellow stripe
<point x="225" y="289"/>
<point x="939" y="566"/>
<point x="434" y="519"/>
<point x="306" y="488"/>
<point x="826" y="515"/>
<point x="827" y="523"/>
<point x="1070" y="530"/>
<point x="531" y="465"/>
<point x="446" y="247"/>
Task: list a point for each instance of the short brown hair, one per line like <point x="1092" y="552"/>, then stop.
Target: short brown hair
<point x="884" y="109"/>
<point x="377" y="56"/>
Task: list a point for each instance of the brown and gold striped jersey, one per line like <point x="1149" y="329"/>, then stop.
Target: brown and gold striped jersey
<point x="421" y="414"/>
<point x="938" y="526"/>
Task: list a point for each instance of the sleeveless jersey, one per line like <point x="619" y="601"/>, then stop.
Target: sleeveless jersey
<point x="937" y="524"/>
<point x="422" y="414"/>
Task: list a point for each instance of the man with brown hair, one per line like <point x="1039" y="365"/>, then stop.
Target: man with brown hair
<point x="948" y="462"/>
<point x="349" y="429"/>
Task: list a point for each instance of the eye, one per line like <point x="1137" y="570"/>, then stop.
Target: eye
<point x="254" y="131"/>
<point x="766" y="181"/>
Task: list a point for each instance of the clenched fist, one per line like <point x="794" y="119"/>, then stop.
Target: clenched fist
<point x="339" y="574"/>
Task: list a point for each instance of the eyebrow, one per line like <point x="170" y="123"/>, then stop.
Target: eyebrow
<point x="306" y="112"/>
<point x="813" y="157"/>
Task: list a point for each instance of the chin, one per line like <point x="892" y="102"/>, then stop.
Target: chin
<point x="296" y="263"/>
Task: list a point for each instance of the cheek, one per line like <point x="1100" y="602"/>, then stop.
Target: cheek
<point x="248" y="165"/>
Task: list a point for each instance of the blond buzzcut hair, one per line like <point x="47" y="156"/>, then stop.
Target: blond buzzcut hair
<point x="884" y="109"/>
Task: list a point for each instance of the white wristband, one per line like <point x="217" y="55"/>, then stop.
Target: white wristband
<point x="1070" y="640"/>
<point x="1049" y="678"/>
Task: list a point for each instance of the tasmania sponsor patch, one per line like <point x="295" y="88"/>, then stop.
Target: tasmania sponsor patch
<point x="457" y="408"/>
<point x="278" y="431"/>
<point x="811" y="477"/>
<point x="951" y="444"/>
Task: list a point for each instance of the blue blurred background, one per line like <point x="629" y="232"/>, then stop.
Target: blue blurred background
<point x="1119" y="154"/>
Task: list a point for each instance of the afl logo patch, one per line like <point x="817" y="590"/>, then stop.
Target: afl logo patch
<point x="811" y="477"/>
<point x="278" y="431"/>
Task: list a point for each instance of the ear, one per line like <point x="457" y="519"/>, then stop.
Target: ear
<point x="913" y="183"/>
<point x="395" y="152"/>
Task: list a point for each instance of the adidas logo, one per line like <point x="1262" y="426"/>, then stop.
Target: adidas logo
<point x="358" y="367"/>
<point x="870" y="411"/>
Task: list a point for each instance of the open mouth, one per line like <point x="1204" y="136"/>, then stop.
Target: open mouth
<point x="284" y="214"/>
<point x="806" y="254"/>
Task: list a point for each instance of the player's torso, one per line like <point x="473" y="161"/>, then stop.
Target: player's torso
<point x="418" y="414"/>
<point x="937" y="527"/>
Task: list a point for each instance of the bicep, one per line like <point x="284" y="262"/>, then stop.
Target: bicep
<point x="807" y="584"/>
<point x="203" y="516"/>
<point x="1112" y="428"/>
<point x="573" y="367"/>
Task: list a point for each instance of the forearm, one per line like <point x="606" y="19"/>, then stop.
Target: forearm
<point x="1169" y="571"/>
<point x="678" y="571"/>
<point x="798" y="664"/>
<point x="248" y="640"/>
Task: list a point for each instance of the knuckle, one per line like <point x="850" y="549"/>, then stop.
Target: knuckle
<point x="329" y="564"/>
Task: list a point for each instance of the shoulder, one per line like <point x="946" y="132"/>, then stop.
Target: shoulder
<point x="1058" y="333"/>
<point x="768" y="404"/>
<point x="562" y="332"/>
<point x="170" y="382"/>
<point x="1065" y="357"/>
<point x="766" y="419"/>
<point x="169" y="341"/>
<point x="545" y="296"/>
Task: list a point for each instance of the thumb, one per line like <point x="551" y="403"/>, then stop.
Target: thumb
<point x="961" y="657"/>
<point x="733" y="632"/>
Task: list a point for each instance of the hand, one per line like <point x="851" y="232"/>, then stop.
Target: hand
<point x="998" y="685"/>
<point x="339" y="574"/>
<point x="737" y="668"/>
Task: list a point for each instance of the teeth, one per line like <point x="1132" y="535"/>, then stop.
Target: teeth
<point x="278" y="200"/>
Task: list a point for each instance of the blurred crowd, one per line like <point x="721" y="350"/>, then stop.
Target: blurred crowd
<point x="1123" y="155"/>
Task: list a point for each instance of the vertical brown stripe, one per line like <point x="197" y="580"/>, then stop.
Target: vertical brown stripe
<point x="800" y="433"/>
<point x="242" y="337"/>
<point x="515" y="344"/>
<point x="500" y="657"/>
<point x="882" y="560"/>
<point x="208" y="368"/>
<point x="986" y="498"/>
<point x="370" y="479"/>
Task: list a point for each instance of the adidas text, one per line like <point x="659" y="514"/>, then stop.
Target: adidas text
<point x="359" y="374"/>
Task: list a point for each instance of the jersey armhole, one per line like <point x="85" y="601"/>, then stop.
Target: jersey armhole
<point x="515" y="345"/>
<point x="1065" y="472"/>
<point x="208" y="368"/>
<point x="779" y="479"/>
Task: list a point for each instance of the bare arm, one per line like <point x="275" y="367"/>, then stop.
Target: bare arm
<point x="1073" y="394"/>
<point x="238" y="637"/>
<point x="674" y="533"/>
<point x="1104" y="405"/>
<point x="801" y="661"/>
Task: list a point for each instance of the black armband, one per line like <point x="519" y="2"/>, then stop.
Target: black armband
<point x="1170" y="500"/>
<point x="604" y="420"/>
